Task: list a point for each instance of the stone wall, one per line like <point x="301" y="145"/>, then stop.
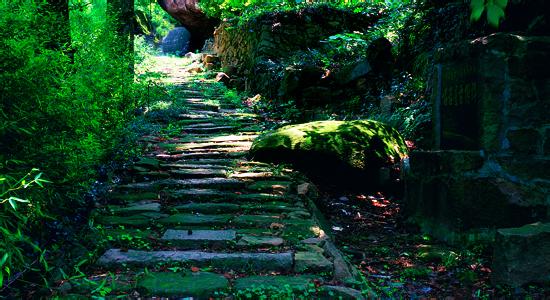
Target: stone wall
<point x="252" y="52"/>
<point x="491" y="99"/>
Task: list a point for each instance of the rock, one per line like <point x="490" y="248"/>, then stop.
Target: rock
<point x="280" y="282"/>
<point x="281" y="262"/>
<point x="176" y="42"/>
<point x="198" y="220"/>
<point x="223" y="78"/>
<point x="331" y="147"/>
<point x="199" y="285"/>
<point x="522" y="255"/>
<point x="311" y="261"/>
<point x="352" y="72"/>
<point x="251" y="240"/>
<point x="209" y="59"/>
<point x="199" y="235"/>
<point x="341" y="292"/>
<point x="191" y="16"/>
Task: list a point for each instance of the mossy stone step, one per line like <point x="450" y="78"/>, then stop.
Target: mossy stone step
<point x="203" y="106"/>
<point x="214" y="182"/>
<point x="218" y="138"/>
<point x="207" y="208"/>
<point x="195" y="220"/>
<point x="277" y="283"/>
<point x="195" y="166"/>
<point x="259" y="241"/>
<point x="241" y="261"/>
<point x="202" y="155"/>
<point x="135" y="207"/>
<point x="205" y="145"/>
<point x="138" y="220"/>
<point x="216" y="195"/>
<point x="271" y="186"/>
<point x="199" y="238"/>
<point x="198" y="173"/>
<point x="198" y="285"/>
<point x="312" y="262"/>
<point x="214" y="129"/>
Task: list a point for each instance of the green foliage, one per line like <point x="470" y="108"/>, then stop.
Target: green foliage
<point x="247" y="9"/>
<point x="494" y="9"/>
<point x="63" y="109"/>
<point x="152" y="19"/>
<point x="17" y="212"/>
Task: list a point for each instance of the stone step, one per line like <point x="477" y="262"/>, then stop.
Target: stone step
<point x="206" y="145"/>
<point x="217" y="149"/>
<point x="202" y="106"/>
<point x="250" y="208"/>
<point x="240" y="261"/>
<point x="216" y="195"/>
<point x="182" y="285"/>
<point x="214" y="182"/>
<point x="206" y="161"/>
<point x="201" y="155"/>
<point x="193" y="239"/>
<point x="213" y="129"/>
<point x="196" y="220"/>
<point x="198" y="173"/>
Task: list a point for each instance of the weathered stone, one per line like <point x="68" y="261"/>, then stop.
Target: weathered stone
<point x="353" y="72"/>
<point x="341" y="292"/>
<point x="208" y="208"/>
<point x="148" y="162"/>
<point x="192" y="220"/>
<point x="134" y="220"/>
<point x="223" y="78"/>
<point x="169" y="284"/>
<point x="311" y="261"/>
<point x="199" y="173"/>
<point x="258" y="241"/>
<point x="142" y="206"/>
<point x="276" y="187"/>
<point x="237" y="261"/>
<point x="522" y="255"/>
<point x="327" y="148"/>
<point x="199" y="237"/>
<point x="279" y="282"/>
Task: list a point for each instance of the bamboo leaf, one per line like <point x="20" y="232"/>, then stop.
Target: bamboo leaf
<point x="494" y="15"/>
<point x="478" y="7"/>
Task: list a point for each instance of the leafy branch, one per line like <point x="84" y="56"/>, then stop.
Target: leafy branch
<point x="494" y="8"/>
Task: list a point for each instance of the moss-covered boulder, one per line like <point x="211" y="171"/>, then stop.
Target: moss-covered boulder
<point x="332" y="147"/>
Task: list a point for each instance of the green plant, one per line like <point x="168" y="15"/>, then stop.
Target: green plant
<point x="494" y="9"/>
<point x="17" y="213"/>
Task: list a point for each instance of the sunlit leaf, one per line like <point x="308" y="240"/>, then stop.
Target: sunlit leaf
<point x="502" y="3"/>
<point x="477" y="6"/>
<point x="494" y="15"/>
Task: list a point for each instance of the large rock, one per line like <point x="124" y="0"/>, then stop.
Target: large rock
<point x="332" y="147"/>
<point x="188" y="13"/>
<point x="177" y="41"/>
<point x="522" y="255"/>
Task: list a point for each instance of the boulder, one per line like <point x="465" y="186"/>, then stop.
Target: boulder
<point x="522" y="255"/>
<point x="188" y="13"/>
<point x="332" y="147"/>
<point x="177" y="41"/>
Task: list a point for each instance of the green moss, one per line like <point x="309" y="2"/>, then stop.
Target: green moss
<point x="353" y="142"/>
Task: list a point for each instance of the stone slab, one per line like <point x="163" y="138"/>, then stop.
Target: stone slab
<point x="199" y="235"/>
<point x="200" y="285"/>
<point x="259" y="241"/>
<point x="294" y="282"/>
<point x="208" y="208"/>
<point x="195" y="219"/>
<point x="311" y="261"/>
<point x="281" y="262"/>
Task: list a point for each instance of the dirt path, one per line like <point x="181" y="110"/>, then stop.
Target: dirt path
<point x="195" y="218"/>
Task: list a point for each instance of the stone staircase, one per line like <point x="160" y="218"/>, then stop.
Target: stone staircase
<point x="194" y="218"/>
